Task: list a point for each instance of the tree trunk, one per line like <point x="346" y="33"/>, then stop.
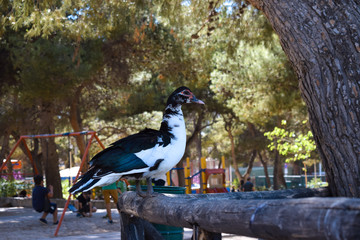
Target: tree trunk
<point x="198" y="150"/>
<point x="278" y="178"/>
<point x="134" y="228"/>
<point x="48" y="148"/>
<point x="5" y="148"/>
<point x="38" y="158"/>
<point x="76" y="124"/>
<point x="252" y="130"/>
<point x="266" y="172"/>
<point x="297" y="168"/>
<point x="250" y="166"/>
<point x="233" y="156"/>
<point x="321" y="39"/>
<point x="181" y="173"/>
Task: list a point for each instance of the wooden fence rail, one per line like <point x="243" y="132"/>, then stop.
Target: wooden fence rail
<point x="252" y="214"/>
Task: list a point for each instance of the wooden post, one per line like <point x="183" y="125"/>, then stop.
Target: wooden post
<point x="187" y="176"/>
<point x="223" y="167"/>
<point x="134" y="228"/>
<point x="205" y="235"/>
<point x="203" y="175"/>
<point x="223" y="162"/>
<point x="168" y="178"/>
<point x="201" y="234"/>
<point x="300" y="218"/>
<point x="305" y="170"/>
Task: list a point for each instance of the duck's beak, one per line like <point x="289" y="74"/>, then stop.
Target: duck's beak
<point x="195" y="100"/>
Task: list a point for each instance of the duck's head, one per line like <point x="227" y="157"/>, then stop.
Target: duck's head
<point x="181" y="96"/>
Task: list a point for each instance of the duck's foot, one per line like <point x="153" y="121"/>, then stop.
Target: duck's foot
<point x="149" y="192"/>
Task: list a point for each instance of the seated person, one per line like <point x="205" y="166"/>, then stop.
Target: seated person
<point x="85" y="206"/>
<point x="22" y="194"/>
<point x="41" y="201"/>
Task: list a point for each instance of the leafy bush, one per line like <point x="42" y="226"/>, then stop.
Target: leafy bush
<point x="65" y="188"/>
<point x="236" y="183"/>
<point x="262" y="188"/>
<point x="316" y="183"/>
<point x="12" y="188"/>
<point x="295" y="146"/>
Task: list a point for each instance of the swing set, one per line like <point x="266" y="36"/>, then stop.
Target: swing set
<point x="68" y="134"/>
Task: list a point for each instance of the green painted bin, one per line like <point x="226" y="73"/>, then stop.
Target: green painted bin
<point x="168" y="232"/>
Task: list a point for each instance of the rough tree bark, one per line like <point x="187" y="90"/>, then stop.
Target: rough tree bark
<point x="297" y="218"/>
<point x="321" y="39"/>
<point x="252" y="130"/>
<point x="250" y="166"/>
<point x="278" y="180"/>
<point x="228" y="128"/>
<point x="76" y="124"/>
<point x="5" y="148"/>
<point x="48" y="148"/>
<point x="266" y="172"/>
<point x="36" y="156"/>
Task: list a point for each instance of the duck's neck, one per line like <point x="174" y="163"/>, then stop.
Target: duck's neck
<point x="173" y="121"/>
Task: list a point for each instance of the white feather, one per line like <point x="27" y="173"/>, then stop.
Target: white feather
<point x="173" y="152"/>
<point x="110" y="178"/>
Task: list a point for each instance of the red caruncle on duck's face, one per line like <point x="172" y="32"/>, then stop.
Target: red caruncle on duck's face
<point x="188" y="94"/>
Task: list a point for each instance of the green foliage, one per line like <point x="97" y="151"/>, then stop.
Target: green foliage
<point x="236" y="183"/>
<point x="8" y="188"/>
<point x="89" y="19"/>
<point x="316" y="183"/>
<point x="46" y="68"/>
<point x="295" y="146"/>
<point x="262" y="188"/>
<point x="12" y="188"/>
<point x="65" y="184"/>
<point x="247" y="83"/>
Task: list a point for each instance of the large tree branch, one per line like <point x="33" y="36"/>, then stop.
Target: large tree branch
<point x="305" y="218"/>
<point x="256" y="4"/>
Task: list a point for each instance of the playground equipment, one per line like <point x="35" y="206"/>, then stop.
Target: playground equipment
<point x="16" y="164"/>
<point x="212" y="180"/>
<point x="68" y="134"/>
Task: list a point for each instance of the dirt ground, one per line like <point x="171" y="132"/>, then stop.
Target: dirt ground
<point x="23" y="223"/>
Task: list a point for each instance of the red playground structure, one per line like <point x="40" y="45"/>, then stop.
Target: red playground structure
<point x="23" y="140"/>
<point x="212" y="180"/>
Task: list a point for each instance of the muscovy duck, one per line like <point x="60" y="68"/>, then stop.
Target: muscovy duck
<point x="147" y="154"/>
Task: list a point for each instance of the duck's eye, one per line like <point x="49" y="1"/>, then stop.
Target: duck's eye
<point x="186" y="92"/>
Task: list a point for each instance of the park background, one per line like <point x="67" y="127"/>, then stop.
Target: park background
<point x="109" y="67"/>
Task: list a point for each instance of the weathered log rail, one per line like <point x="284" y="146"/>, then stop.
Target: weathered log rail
<point x="257" y="214"/>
